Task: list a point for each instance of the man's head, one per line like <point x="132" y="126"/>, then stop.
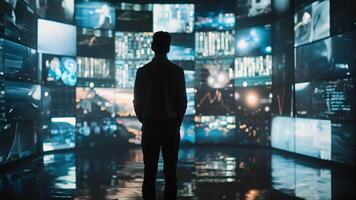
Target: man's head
<point x="161" y="42"/>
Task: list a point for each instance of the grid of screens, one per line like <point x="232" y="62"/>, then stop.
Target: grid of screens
<point x="315" y="95"/>
<point x="89" y="67"/>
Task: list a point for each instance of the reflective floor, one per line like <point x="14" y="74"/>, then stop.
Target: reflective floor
<point x="204" y="173"/>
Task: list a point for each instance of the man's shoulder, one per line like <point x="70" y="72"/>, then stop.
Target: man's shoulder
<point x="144" y="67"/>
<point x="176" y="67"/>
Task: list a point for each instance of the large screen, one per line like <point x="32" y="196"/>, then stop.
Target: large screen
<point x="254" y="41"/>
<point x="182" y="47"/>
<point x="174" y="18"/>
<point x="62" y="100"/>
<point x="95" y="43"/>
<point x="253" y="71"/>
<point x="23" y="101"/>
<point x="214" y="44"/>
<point x="56" y="10"/>
<point x="20" y="62"/>
<point x="313" y="137"/>
<point x="59" y="70"/>
<point x="282" y="133"/>
<point x="191" y="101"/>
<point x="211" y="18"/>
<point x="214" y="74"/>
<point x="343" y="142"/>
<point x="214" y="101"/>
<point x="96" y="102"/>
<point x="95" y="15"/>
<point x="326" y="99"/>
<point x="60" y="134"/>
<point x="253" y="101"/>
<point x="312" y="22"/>
<point x="65" y="42"/>
<point x="250" y="8"/>
<point x="124" y="101"/>
<point x="96" y="72"/>
<point x="17" y="140"/>
<point x="129" y="15"/>
<point x="125" y="73"/>
<point x="19" y="22"/>
<point x="215" y="129"/>
<point x="131" y="45"/>
<point x="330" y="58"/>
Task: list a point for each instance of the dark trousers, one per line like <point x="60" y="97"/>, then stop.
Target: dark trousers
<point x="156" y="135"/>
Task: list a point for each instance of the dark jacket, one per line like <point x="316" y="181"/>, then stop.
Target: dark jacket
<point x="160" y="91"/>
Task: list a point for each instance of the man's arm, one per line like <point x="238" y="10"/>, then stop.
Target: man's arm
<point x="181" y="97"/>
<point x="138" y="96"/>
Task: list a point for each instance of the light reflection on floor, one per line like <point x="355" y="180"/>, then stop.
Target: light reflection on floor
<point x="204" y="173"/>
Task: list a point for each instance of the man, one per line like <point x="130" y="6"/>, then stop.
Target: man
<point x="160" y="101"/>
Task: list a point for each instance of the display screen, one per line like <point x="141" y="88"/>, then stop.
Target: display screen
<point x="343" y="142"/>
<point x="253" y="131"/>
<point x="189" y="77"/>
<point x="313" y="137"/>
<point x="250" y="8"/>
<point x="326" y="100"/>
<point x="134" y="17"/>
<point x="60" y="70"/>
<point x="17" y="140"/>
<point x="62" y="101"/>
<point x="282" y="99"/>
<point x="131" y="46"/>
<point x="214" y="44"/>
<point x="182" y="47"/>
<point x="214" y="74"/>
<point x="96" y="102"/>
<point x="253" y="101"/>
<point x="330" y="58"/>
<point x="95" y="43"/>
<point x="19" y="22"/>
<point x="283" y="65"/>
<point x="96" y="72"/>
<point x="191" y="101"/>
<point x="57" y="10"/>
<point x="60" y="134"/>
<point x="214" y="101"/>
<point x="210" y="18"/>
<point x="20" y="62"/>
<point x="63" y="44"/>
<point x="187" y="131"/>
<point x="173" y="18"/>
<point x="126" y="72"/>
<point x="282" y="133"/>
<point x="215" y="129"/>
<point x="22" y="100"/>
<point x="312" y="22"/>
<point x="124" y="101"/>
<point x="253" y="71"/>
<point x="95" y="15"/>
<point x="254" y="41"/>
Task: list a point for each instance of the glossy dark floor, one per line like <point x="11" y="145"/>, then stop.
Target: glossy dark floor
<point x="204" y="173"/>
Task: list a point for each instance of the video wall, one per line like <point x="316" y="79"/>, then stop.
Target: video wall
<point x="314" y="81"/>
<point x="67" y="72"/>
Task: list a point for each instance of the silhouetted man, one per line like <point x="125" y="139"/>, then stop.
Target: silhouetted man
<point x="160" y="102"/>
